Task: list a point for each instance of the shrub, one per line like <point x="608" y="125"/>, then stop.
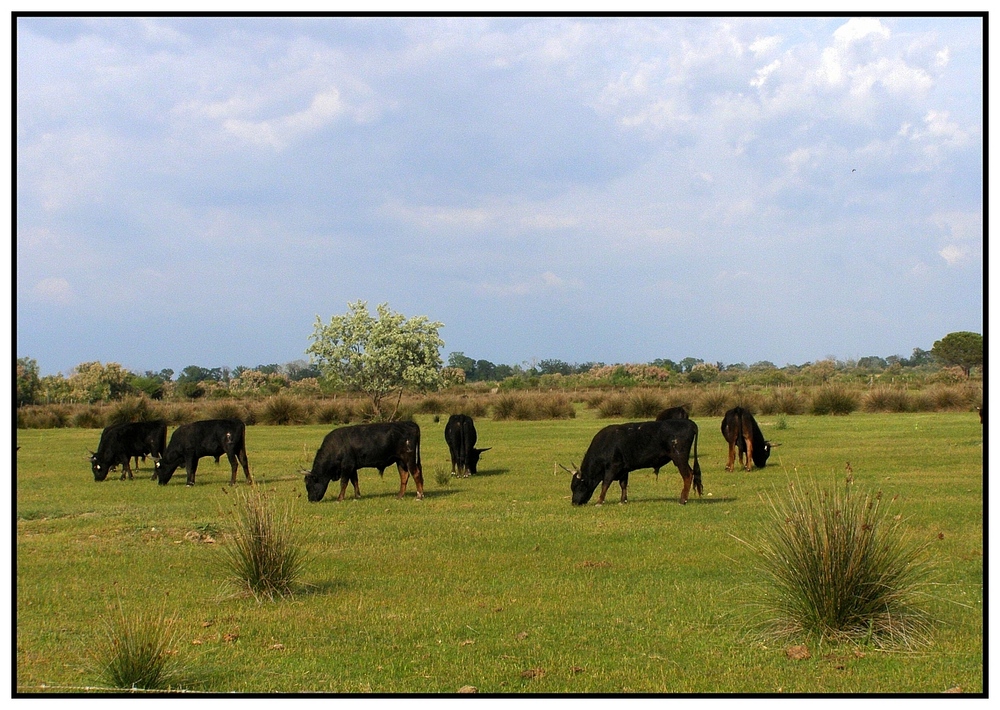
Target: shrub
<point x="264" y="558"/>
<point x="554" y="406"/>
<point x="138" y="651"/>
<point x="505" y="406"/>
<point x="833" y="399"/>
<point x="281" y="410"/>
<point x="613" y="406"/>
<point x="89" y="418"/>
<point x="131" y="409"/>
<point x="335" y="413"/>
<point x="713" y="403"/>
<point x="837" y="565"/>
<point x="226" y="410"/>
<point x="886" y="399"/>
<point x="785" y="400"/>
<point x="643" y="404"/>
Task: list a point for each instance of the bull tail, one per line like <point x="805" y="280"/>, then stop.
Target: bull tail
<point x="697" y="466"/>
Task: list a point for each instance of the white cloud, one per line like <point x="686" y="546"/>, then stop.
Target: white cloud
<point x="765" y="72"/>
<point x="53" y="290"/>
<point x="765" y="45"/>
<point x="954" y="254"/>
<point x="859" y="28"/>
<point x="542" y="283"/>
<point x="278" y="133"/>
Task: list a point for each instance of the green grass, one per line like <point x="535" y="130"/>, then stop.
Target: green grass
<point x="494" y="581"/>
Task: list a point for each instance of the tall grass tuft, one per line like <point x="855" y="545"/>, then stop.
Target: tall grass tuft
<point x="886" y="399"/>
<point x="712" y="403"/>
<point x="265" y="557"/>
<point x="131" y="409"/>
<point x="834" y="399"/>
<point x="138" y="651"/>
<point x="838" y="565"/>
<point x="282" y="409"/>
<point x="612" y="406"/>
<point x="643" y="404"/>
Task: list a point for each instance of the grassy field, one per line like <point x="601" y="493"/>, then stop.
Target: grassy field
<point x="494" y="581"/>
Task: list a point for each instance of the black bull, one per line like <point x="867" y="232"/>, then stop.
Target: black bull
<point x="121" y="442"/>
<point x="211" y="437"/>
<point x="349" y="448"/>
<point x="741" y="432"/>
<point x="620" y="448"/>
<point x="460" y="435"/>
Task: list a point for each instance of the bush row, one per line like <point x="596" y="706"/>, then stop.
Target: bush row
<point x="634" y="403"/>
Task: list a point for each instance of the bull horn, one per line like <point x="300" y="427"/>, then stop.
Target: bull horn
<point x="772" y="444"/>
<point x="483" y="450"/>
<point x="566" y="469"/>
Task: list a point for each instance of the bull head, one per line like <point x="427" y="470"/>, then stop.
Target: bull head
<point x="575" y="471"/>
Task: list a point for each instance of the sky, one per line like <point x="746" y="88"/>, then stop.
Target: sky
<point x="197" y="191"/>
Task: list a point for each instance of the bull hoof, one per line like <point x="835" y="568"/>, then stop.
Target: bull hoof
<point x="684" y="502"/>
<point x="190" y="485"/>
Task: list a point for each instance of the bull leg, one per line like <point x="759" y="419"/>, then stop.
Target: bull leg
<point x="235" y="466"/>
<point x="749" y="452"/>
<point x="354" y="482"/>
<point x="418" y="478"/>
<point x="605" y="484"/>
<point x="624" y="484"/>
<point x="404" y="476"/>
<point x="732" y="456"/>
<point x="126" y="470"/>
<point x="345" y="478"/>
<point x="191" y="467"/>
<point x="242" y="456"/>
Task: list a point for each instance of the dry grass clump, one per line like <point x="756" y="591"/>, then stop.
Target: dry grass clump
<point x="138" y="651"/>
<point x="839" y="565"/>
<point x="834" y="399"/>
<point x="643" y="404"/>
<point x="713" y="403"/>
<point x="783" y="400"/>
<point x="886" y="399"/>
<point x="613" y="406"/>
<point x="283" y="410"/>
<point x="265" y="557"/>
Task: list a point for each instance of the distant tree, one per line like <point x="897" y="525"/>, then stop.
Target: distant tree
<point x="459" y="361"/>
<point x="688" y="363"/>
<point x="298" y="370"/>
<point x="872" y="362"/>
<point x="94" y="382"/>
<point x="668" y="365"/>
<point x="554" y="367"/>
<point x="194" y="373"/>
<point x="502" y="372"/>
<point x="919" y="357"/>
<point x="152" y="387"/>
<point x="28" y="382"/>
<point x="962" y="348"/>
<point x="378" y="355"/>
<point x="485" y="371"/>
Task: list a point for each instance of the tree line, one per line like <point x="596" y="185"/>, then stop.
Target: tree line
<point x="383" y="355"/>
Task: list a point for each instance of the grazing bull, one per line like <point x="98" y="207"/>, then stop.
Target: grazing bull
<point x="673" y="413"/>
<point x="122" y="442"/>
<point x="620" y="448"/>
<point x="380" y="445"/>
<point x="460" y="435"/>
<point x="742" y="433"/>
<point x="212" y="437"/>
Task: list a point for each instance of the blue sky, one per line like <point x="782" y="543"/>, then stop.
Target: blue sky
<point x="197" y="191"/>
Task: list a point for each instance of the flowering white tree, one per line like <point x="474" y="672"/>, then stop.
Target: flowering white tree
<point x="377" y="356"/>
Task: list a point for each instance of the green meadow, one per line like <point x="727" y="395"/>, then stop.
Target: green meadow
<point x="493" y="581"/>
